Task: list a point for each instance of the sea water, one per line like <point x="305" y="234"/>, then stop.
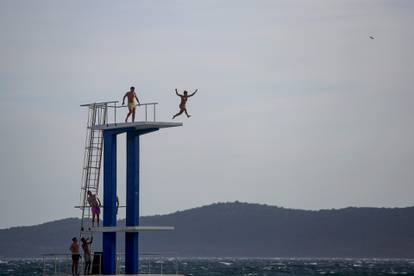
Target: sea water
<point x="231" y="266"/>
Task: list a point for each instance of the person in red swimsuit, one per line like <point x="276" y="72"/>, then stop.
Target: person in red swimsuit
<point x="131" y="103"/>
<point x="95" y="204"/>
<point x="183" y="102"/>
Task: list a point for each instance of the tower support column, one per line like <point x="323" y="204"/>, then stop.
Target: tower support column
<point x="109" y="202"/>
<point x="132" y="202"/>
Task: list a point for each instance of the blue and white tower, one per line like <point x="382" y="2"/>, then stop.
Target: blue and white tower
<point x="109" y="133"/>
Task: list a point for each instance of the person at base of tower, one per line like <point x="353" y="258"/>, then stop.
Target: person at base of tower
<point x="95" y="204"/>
<point x="74" y="249"/>
<point x="87" y="254"/>
<point x="183" y="102"/>
<point x="131" y="96"/>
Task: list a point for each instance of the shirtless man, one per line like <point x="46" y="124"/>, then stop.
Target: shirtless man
<point x="95" y="204"/>
<point x="183" y="102"/>
<point x="74" y="249"/>
<point x="87" y="254"/>
<point x="131" y="103"/>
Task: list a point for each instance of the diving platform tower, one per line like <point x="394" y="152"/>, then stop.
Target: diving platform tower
<point x="108" y="133"/>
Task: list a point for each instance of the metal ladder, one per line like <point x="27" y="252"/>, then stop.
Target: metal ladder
<point x="91" y="172"/>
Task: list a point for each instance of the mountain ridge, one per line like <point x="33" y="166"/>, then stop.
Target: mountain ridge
<point x="237" y="229"/>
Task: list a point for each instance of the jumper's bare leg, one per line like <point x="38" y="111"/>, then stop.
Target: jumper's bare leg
<point x="133" y="115"/>
<point x="129" y="113"/>
<point x="188" y="116"/>
<point x="179" y="113"/>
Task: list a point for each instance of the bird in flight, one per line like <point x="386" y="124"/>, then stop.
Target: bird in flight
<point x="371" y="37"/>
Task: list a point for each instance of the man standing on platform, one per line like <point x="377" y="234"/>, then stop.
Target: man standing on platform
<point x="95" y="204"/>
<point x="131" y="103"/>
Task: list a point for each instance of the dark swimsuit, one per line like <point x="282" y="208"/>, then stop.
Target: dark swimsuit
<point x="75" y="257"/>
<point x="183" y="102"/>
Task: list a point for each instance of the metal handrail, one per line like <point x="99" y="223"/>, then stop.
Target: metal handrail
<point x="99" y="103"/>
<point x="57" y="258"/>
<point x="113" y="106"/>
<point x="165" y="254"/>
<point x="124" y="105"/>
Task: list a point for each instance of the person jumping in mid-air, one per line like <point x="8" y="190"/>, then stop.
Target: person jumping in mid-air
<point x="131" y="103"/>
<point x="183" y="102"/>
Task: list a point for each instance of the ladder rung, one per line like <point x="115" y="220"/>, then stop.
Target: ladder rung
<point x="92" y="185"/>
<point x="94" y="188"/>
<point x="91" y="167"/>
<point x="94" y="158"/>
<point x="88" y="148"/>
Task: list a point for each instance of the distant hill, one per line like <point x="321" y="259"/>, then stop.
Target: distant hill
<point x="245" y="230"/>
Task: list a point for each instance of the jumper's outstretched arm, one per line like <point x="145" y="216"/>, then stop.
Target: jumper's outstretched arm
<point x="176" y="92"/>
<point x="123" y="99"/>
<point x="195" y="91"/>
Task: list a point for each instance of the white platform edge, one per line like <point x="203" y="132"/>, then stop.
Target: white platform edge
<point x="131" y="228"/>
<point x="138" y="125"/>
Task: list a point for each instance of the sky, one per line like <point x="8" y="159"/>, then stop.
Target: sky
<point x="297" y="106"/>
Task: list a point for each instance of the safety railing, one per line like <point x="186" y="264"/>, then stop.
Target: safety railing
<point x="59" y="264"/>
<point x="138" y="112"/>
<point x="146" y="112"/>
<point x="150" y="263"/>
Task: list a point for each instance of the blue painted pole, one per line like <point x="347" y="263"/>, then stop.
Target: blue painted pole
<point x="109" y="212"/>
<point x="132" y="203"/>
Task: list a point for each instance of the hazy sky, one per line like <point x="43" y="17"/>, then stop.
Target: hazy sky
<point x="297" y="106"/>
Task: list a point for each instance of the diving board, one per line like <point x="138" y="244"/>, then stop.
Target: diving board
<point x="141" y="125"/>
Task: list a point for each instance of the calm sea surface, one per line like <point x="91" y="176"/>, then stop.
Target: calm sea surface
<point x="228" y="267"/>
